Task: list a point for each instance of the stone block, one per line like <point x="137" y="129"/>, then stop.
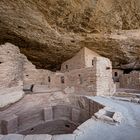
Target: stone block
<point x="27" y="87"/>
<point x="75" y="115"/>
<point x="38" y="137"/>
<point x="13" y="137"/>
<point x="100" y="113"/>
<point x="106" y="118"/>
<point x="69" y="90"/>
<point x="84" y="115"/>
<point x="117" y="117"/>
<point x="41" y="88"/>
<point x="10" y="124"/>
<point x="62" y="111"/>
<point x="48" y="114"/>
<point x="64" y="137"/>
<point x="10" y="95"/>
<point x="135" y="100"/>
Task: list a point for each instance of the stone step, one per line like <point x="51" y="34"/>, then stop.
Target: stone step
<point x="38" y="137"/>
<point x="64" y="137"/>
<point x="13" y="137"/>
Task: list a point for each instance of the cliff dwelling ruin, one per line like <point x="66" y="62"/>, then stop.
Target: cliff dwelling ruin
<point x="69" y="69"/>
<point x="71" y="103"/>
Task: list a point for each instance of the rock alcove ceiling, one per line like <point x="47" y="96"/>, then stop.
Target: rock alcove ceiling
<point x="50" y="32"/>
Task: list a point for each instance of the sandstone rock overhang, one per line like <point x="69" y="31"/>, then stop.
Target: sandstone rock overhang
<point x="49" y="33"/>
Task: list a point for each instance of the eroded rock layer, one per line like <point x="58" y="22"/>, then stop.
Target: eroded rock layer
<point x="49" y="32"/>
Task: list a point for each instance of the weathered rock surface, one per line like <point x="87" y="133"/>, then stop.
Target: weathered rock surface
<point x="38" y="137"/>
<point x="49" y="32"/>
<point x="11" y="74"/>
<point x="10" y="95"/>
<point x="11" y="66"/>
<point x="16" y="71"/>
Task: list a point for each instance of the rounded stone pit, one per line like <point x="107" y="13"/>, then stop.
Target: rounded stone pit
<point x="61" y="118"/>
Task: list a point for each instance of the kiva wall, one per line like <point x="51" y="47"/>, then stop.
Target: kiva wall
<point x="40" y="120"/>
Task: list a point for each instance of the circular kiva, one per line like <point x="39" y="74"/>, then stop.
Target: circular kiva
<point x="52" y="120"/>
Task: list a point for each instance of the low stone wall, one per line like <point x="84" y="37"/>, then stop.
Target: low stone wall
<point x="86" y="103"/>
<point x="130" y="81"/>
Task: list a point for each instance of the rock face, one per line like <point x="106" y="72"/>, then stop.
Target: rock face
<point x="11" y="66"/>
<point x="49" y="32"/>
<point x="11" y="74"/>
<point x="15" y="72"/>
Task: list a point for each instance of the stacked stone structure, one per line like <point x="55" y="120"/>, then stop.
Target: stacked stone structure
<point x="87" y="73"/>
<point x="130" y="81"/>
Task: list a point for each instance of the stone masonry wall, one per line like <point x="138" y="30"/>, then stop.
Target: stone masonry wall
<point x="90" y="80"/>
<point x="82" y="80"/>
<point x="116" y="73"/>
<point x="85" y="75"/>
<point x="82" y="59"/>
<point x="35" y="76"/>
<point x="95" y="80"/>
<point x="89" y="57"/>
<point x="77" y="62"/>
<point x="105" y="84"/>
<point x="130" y="81"/>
